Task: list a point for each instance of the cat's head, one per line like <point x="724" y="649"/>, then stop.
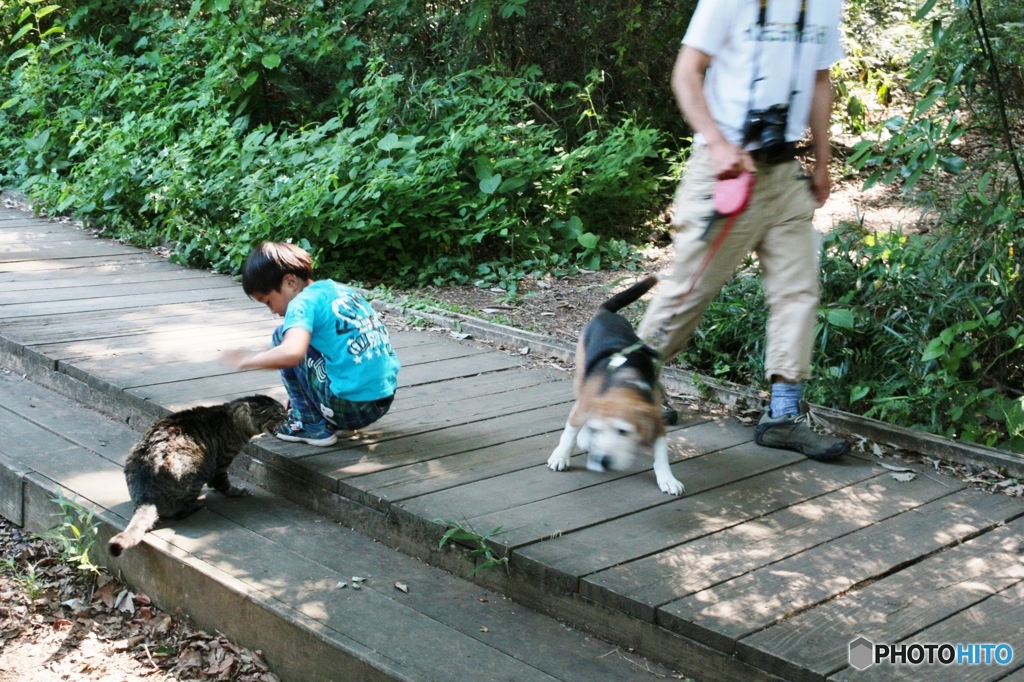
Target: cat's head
<point x="263" y="413"/>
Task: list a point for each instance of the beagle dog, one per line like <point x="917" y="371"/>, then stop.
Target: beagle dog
<point x="617" y="413"/>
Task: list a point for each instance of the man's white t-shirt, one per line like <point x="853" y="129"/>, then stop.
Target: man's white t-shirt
<point x="727" y="30"/>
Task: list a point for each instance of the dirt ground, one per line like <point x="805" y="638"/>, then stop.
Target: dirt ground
<point x="60" y="623"/>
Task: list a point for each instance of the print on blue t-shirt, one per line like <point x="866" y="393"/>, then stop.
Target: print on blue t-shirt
<point x="359" y="361"/>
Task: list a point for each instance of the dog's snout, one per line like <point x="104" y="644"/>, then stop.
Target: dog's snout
<point x="598" y="462"/>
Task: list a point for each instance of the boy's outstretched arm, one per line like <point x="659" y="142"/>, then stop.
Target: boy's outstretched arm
<point x="290" y="353"/>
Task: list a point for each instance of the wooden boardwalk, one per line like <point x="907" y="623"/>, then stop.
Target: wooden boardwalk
<point x="767" y="567"/>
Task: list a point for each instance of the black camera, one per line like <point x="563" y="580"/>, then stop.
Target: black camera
<point x="768" y="126"/>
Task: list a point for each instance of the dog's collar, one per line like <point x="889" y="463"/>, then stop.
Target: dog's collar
<point x="642" y="385"/>
<point x="619" y="359"/>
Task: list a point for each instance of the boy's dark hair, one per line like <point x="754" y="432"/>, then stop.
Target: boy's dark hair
<point x="266" y="266"/>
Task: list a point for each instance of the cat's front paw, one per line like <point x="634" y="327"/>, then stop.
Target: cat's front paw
<point x="235" y="491"/>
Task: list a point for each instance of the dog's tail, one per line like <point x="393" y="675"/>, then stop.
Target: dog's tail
<point x="144" y="518"/>
<point x="624" y="298"/>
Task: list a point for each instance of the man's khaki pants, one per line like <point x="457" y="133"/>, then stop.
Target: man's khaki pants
<point x="777" y="226"/>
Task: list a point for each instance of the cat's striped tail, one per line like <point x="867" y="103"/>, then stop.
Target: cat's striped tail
<point x="144" y="518"/>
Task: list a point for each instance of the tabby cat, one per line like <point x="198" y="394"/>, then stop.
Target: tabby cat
<point x="167" y="469"/>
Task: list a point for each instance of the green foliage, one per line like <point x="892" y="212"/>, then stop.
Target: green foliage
<point x="27" y="579"/>
<point x="464" y="534"/>
<point x="195" y="132"/>
<point x="75" y="534"/>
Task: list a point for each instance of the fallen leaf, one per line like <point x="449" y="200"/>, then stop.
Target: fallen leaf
<point x="904" y="476"/>
<point x="76" y="605"/>
<point x="106" y="595"/>
<point x="190" y="658"/>
<point x="127" y="604"/>
<point x="223" y="667"/>
<point x="402" y="587"/>
<point x="876" y="448"/>
<point x="341" y="585"/>
<point x="461" y="336"/>
<point x="485" y="629"/>
<point x="357" y="579"/>
<point x="122" y="644"/>
<point x="893" y="467"/>
<point x="162" y="625"/>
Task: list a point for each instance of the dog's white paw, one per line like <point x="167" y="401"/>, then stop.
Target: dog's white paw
<point x="671" y="486"/>
<point x="557" y="463"/>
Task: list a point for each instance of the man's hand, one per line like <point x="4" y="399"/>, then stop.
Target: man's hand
<point x="820" y="184"/>
<point x="728" y="160"/>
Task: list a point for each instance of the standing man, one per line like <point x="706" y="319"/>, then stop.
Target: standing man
<point x="751" y="76"/>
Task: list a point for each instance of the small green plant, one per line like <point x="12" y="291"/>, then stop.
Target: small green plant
<point x="27" y="579"/>
<point x="76" y="533"/>
<point x="464" y="533"/>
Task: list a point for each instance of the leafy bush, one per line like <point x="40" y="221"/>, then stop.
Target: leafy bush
<point x="430" y="177"/>
<point x="920" y="330"/>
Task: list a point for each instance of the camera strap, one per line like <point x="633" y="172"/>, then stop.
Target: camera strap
<point x="762" y="18"/>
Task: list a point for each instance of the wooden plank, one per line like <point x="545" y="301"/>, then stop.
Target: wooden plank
<point x="456" y="470"/>
<point x="209" y="389"/>
<point x="59" y="251"/>
<point x="75" y="423"/>
<point x="276" y="392"/>
<point x="573" y="555"/>
<point x="995" y="620"/>
<point x="542" y="642"/>
<point x="617" y="497"/>
<point x="721" y="615"/>
<point x="536" y="483"/>
<point x="445" y="370"/>
<point x="410" y="423"/>
<point x="176" y="343"/>
<point x="400" y="451"/>
<point x="410" y="398"/>
<point x="75" y="468"/>
<point x="123" y="302"/>
<point x="142" y="369"/>
<point x="814" y="644"/>
<point x="108" y="275"/>
<point x="109" y="324"/>
<point x="48" y="282"/>
<point x="132" y="372"/>
<point x="25" y="270"/>
<point x="17" y="300"/>
<point x="14" y="235"/>
<point x="439" y="350"/>
<point x="640" y="587"/>
<point x="375" y="616"/>
<point x="475" y="386"/>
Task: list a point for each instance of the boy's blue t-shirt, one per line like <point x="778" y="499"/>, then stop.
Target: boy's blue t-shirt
<point x="361" y="364"/>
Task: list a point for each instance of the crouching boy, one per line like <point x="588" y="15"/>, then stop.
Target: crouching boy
<point x="334" y="353"/>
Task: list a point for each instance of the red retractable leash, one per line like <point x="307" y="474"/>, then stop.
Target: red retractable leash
<point x="731" y="196"/>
